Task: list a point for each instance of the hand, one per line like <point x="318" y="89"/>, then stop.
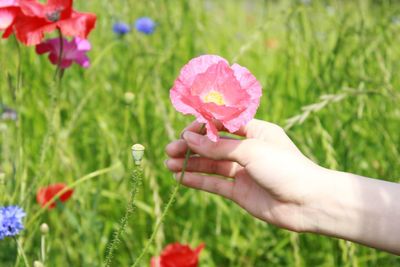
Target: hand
<point x="269" y="177"/>
<point x="265" y="173"/>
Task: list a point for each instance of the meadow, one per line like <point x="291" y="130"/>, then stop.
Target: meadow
<point x="329" y="71"/>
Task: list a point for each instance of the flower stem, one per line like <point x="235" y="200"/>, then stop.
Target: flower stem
<point x="137" y="175"/>
<point x="54" y="91"/>
<point x="59" y="70"/>
<point x="21" y="251"/>
<point x="43" y="248"/>
<point x="167" y="207"/>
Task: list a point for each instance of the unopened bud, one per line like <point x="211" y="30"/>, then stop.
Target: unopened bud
<point x="137" y="153"/>
<point x="37" y="264"/>
<point x="129" y="97"/>
<point x="44" y="229"/>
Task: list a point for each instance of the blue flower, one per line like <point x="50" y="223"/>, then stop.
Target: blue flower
<point x="145" y="25"/>
<point x="11" y="221"/>
<point x="121" y="28"/>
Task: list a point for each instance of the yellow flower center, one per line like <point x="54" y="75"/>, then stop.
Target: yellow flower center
<point x="214" y="97"/>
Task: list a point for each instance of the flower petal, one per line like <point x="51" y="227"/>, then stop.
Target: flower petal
<point x="43" y="48"/>
<point x="212" y="131"/>
<point x="220" y="78"/>
<point x="8" y="3"/>
<point x="30" y="30"/>
<point x="196" y="66"/>
<point x="7" y="17"/>
<point x="33" y="9"/>
<point x="82" y="44"/>
<point x="79" y="25"/>
<point x="250" y="84"/>
<point x="183" y="101"/>
<point x="82" y="60"/>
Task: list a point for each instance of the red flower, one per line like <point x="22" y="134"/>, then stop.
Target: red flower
<point x="36" y="19"/>
<point x="9" y="10"/>
<point x="178" y="255"/>
<point x="46" y="194"/>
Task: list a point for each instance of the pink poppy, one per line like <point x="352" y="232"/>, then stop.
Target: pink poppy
<point x="177" y="255"/>
<point x="211" y="90"/>
<point x="73" y="51"/>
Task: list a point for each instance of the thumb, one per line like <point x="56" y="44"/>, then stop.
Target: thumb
<point x="241" y="151"/>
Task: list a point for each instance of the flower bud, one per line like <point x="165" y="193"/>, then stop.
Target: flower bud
<point x="137" y="153"/>
<point x="44" y="229"/>
<point x="37" y="264"/>
<point x="129" y="97"/>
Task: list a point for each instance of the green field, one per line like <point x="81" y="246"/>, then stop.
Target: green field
<point x="329" y="71"/>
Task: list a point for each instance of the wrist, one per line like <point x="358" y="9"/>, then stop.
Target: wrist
<point x="334" y="209"/>
<point x="355" y="208"/>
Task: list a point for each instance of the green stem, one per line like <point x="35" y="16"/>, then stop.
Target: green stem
<point x="53" y="99"/>
<point x="19" y="70"/>
<point x="21" y="251"/>
<point x="43" y="249"/>
<point x="167" y="207"/>
<point x="130" y="207"/>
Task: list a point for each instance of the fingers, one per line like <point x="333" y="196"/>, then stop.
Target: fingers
<point x="204" y="165"/>
<point x="241" y="151"/>
<point x="177" y="149"/>
<point x="256" y="129"/>
<point x="207" y="183"/>
<point x="251" y="130"/>
<point x="195" y="126"/>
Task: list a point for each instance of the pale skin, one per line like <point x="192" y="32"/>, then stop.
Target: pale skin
<point x="268" y="176"/>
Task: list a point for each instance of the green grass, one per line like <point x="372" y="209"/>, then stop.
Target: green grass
<point x="349" y="51"/>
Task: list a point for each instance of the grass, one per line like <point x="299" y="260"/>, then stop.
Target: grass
<point x="329" y="66"/>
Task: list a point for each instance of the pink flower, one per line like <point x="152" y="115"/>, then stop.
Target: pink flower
<point x="73" y="51"/>
<point x="211" y="90"/>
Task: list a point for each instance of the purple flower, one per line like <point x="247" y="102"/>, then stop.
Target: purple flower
<point x="11" y="221"/>
<point x="145" y="25"/>
<point x="121" y="28"/>
<point x="7" y="113"/>
<point x="73" y="51"/>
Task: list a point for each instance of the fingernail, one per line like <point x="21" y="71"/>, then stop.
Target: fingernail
<point x="191" y="137"/>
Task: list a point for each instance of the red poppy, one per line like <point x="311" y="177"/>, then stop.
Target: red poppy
<point x="36" y="19"/>
<point x="178" y="255"/>
<point x="46" y="194"/>
<point x="9" y="10"/>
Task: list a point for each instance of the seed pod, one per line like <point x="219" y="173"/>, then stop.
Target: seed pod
<point x="137" y="153"/>
<point x="44" y="229"/>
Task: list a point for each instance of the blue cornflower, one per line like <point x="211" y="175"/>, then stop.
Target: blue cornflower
<point x="121" y="28"/>
<point x="145" y="25"/>
<point x="11" y="221"/>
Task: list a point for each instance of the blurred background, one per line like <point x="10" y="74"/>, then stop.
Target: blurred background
<point x="329" y="71"/>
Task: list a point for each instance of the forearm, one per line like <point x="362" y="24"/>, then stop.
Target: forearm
<point x="360" y="209"/>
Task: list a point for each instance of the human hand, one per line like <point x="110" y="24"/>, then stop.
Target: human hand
<point x="264" y="173"/>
